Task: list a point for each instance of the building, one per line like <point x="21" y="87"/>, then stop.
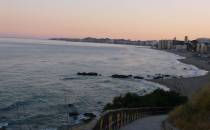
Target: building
<point x="165" y="44"/>
<point x="203" y="40"/>
<point x="180" y="45"/>
<point x="203" y="45"/>
<point x="172" y="44"/>
<point x="186" y="40"/>
<point x="201" y="48"/>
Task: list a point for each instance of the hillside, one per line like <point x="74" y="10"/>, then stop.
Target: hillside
<point x="194" y="115"/>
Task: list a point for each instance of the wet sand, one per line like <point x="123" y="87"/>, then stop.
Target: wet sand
<point x="189" y="86"/>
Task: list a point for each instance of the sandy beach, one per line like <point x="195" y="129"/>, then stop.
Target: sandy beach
<point x="189" y="86"/>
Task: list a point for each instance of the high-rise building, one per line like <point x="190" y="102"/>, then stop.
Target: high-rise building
<point x="186" y="39"/>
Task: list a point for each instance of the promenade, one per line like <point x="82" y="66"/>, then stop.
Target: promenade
<point x="148" y="123"/>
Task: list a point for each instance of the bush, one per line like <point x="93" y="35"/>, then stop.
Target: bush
<point x="195" y="114"/>
<point x="158" y="98"/>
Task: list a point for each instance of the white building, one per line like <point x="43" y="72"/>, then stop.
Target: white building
<point x="203" y="45"/>
<point x="165" y="44"/>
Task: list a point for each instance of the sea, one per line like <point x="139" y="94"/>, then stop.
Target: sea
<point x="39" y="85"/>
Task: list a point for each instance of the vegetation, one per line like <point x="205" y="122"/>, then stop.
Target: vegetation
<point x="195" y="114"/>
<point x="158" y="98"/>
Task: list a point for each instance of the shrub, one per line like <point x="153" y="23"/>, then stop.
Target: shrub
<point x="195" y="114"/>
<point x="158" y="98"/>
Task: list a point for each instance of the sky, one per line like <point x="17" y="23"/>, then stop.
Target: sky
<point x="129" y="19"/>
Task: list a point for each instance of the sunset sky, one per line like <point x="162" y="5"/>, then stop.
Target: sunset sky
<point x="133" y="19"/>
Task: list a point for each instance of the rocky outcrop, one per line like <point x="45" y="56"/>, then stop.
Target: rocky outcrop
<point x="88" y="74"/>
<point x="138" y="77"/>
<point x="121" y="76"/>
<point x="70" y="105"/>
<point x="73" y="114"/>
<point x="90" y="115"/>
<point x="162" y="76"/>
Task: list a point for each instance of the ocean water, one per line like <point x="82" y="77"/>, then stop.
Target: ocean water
<point x="38" y="78"/>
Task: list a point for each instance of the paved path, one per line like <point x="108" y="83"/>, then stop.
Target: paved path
<point x="148" y="123"/>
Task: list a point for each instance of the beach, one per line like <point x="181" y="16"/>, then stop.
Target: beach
<point x="188" y="86"/>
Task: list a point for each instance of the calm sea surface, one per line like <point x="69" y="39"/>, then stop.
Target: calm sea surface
<point x="35" y="92"/>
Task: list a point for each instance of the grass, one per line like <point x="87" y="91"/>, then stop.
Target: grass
<point x="195" y="114"/>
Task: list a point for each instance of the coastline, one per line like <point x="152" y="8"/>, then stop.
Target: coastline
<point x="188" y="86"/>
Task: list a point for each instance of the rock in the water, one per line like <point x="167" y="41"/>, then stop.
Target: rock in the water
<point x="121" y="76"/>
<point x="138" y="77"/>
<point x="71" y="114"/>
<point x="87" y="74"/>
<point x="167" y="75"/>
<point x="174" y="77"/>
<point x="3" y="128"/>
<point x="99" y="102"/>
<point x="70" y="105"/>
<point x="158" y="77"/>
<point x="90" y="115"/>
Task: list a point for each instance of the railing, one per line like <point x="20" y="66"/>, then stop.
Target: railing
<point x="116" y="119"/>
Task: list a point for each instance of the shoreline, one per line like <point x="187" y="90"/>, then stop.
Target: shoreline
<point x="188" y="86"/>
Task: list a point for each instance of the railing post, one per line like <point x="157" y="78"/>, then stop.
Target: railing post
<point x="128" y="118"/>
<point x="110" y="121"/>
<point x="118" y="120"/>
<point x="122" y="119"/>
<point x="133" y="116"/>
<point x="101" y="124"/>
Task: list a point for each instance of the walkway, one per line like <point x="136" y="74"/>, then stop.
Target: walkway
<point x="148" y="123"/>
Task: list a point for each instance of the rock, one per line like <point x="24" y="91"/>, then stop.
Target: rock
<point x="73" y="114"/>
<point x="138" y="77"/>
<point x="3" y="128"/>
<point x="158" y="74"/>
<point x="90" y="115"/>
<point x="121" y="76"/>
<point x="87" y="120"/>
<point x="149" y="76"/>
<point x="88" y="74"/>
<point x="3" y="117"/>
<point x="167" y="75"/>
<point x="99" y="102"/>
<point x="70" y="105"/>
<point x="174" y="77"/>
<point x="158" y="77"/>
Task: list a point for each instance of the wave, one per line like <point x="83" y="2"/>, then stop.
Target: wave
<point x="3" y="125"/>
<point x="15" y="105"/>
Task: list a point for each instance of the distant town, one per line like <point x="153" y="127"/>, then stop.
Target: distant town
<point x="111" y="41"/>
<point x="200" y="45"/>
